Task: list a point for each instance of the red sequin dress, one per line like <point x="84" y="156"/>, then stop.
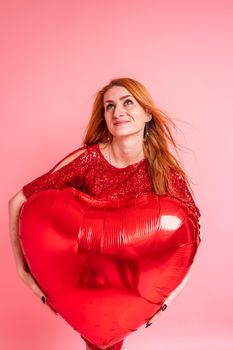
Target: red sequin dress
<point x="91" y="173"/>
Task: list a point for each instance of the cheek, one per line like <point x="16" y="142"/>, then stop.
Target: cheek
<point x="140" y="118"/>
<point x="107" y="120"/>
<point x="137" y="112"/>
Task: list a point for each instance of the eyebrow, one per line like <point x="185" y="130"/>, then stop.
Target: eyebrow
<point x="121" y="98"/>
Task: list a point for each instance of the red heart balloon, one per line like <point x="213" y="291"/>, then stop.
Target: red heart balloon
<point x="107" y="267"/>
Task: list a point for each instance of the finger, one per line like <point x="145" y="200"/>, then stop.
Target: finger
<point x="30" y="281"/>
<point x="38" y="292"/>
<point x="157" y="315"/>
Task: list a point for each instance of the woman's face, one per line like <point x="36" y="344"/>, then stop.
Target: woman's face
<point x="124" y="116"/>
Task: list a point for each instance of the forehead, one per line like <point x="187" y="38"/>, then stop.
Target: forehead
<point x="116" y="92"/>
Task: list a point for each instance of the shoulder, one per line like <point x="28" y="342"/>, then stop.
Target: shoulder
<point x="73" y="156"/>
<point x="183" y="190"/>
<point x="177" y="177"/>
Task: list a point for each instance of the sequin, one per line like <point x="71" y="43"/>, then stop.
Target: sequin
<point x="91" y="173"/>
<point x="183" y="192"/>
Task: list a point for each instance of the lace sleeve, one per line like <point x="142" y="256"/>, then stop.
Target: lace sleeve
<point x="183" y="192"/>
<point x="59" y="179"/>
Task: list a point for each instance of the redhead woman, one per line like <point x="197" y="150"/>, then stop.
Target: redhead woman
<point x="125" y="152"/>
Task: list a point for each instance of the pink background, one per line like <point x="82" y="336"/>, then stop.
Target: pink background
<point x="56" y="55"/>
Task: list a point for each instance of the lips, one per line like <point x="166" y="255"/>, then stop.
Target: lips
<point x="120" y="122"/>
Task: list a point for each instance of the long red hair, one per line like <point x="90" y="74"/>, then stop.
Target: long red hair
<point x="157" y="135"/>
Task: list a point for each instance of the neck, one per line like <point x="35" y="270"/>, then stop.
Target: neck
<point x="124" y="152"/>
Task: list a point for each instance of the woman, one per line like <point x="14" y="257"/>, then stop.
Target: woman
<point x="126" y="152"/>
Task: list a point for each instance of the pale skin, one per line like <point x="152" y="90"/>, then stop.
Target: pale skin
<point x="125" y="119"/>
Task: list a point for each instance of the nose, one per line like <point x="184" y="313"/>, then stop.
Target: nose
<point x="118" y="111"/>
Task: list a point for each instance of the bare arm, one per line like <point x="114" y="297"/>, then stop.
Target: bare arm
<point x="14" y="207"/>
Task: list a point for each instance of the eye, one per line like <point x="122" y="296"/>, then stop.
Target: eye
<point x="108" y="105"/>
<point x="128" y="100"/>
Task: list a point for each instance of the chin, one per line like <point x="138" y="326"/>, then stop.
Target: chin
<point x="124" y="133"/>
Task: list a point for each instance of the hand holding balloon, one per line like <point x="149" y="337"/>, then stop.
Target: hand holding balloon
<point x="14" y="207"/>
<point x="171" y="297"/>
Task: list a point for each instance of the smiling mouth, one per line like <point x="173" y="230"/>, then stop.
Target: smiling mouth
<point x="121" y="122"/>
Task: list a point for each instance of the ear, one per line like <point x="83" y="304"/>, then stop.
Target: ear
<point x="148" y="115"/>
